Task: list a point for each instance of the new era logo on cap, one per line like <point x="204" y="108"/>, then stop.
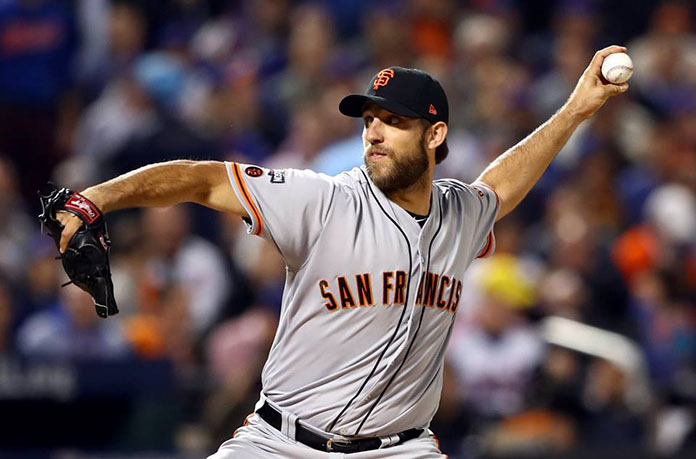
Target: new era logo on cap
<point x="406" y="92"/>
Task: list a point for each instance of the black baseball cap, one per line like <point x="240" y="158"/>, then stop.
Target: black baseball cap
<point x="406" y="92"/>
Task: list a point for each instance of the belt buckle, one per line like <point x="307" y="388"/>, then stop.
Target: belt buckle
<point x="330" y="443"/>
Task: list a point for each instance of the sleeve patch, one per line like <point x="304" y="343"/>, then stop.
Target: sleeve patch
<point x="253" y="171"/>
<point x="277" y="176"/>
<point x="244" y="193"/>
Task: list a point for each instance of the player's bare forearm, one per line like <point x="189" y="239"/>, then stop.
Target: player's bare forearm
<point x="516" y="171"/>
<point x="166" y="184"/>
<point x="160" y="185"/>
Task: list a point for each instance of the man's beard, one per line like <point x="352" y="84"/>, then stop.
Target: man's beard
<point x="404" y="170"/>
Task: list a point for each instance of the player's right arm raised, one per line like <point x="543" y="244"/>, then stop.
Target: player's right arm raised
<point x="161" y="185"/>
<point x="516" y="171"/>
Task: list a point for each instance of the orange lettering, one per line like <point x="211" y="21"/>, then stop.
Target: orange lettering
<point x="327" y="295"/>
<point x="419" y="297"/>
<point x="364" y="289"/>
<point x="453" y="287"/>
<point x="346" y="295"/>
<point x="430" y="289"/>
<point x="400" y="290"/>
<point x="457" y="296"/>
<point x="444" y="282"/>
<point x="386" y="286"/>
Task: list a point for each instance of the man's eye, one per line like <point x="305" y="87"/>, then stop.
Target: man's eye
<point x="394" y="120"/>
<point x="367" y="120"/>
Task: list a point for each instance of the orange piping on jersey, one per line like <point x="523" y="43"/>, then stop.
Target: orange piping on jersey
<point x="487" y="248"/>
<point x="245" y="193"/>
<point x="491" y="237"/>
<point x="246" y="423"/>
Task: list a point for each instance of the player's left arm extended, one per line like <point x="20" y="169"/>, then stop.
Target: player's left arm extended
<point x="516" y="171"/>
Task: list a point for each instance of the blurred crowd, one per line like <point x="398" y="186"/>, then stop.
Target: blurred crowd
<point x="577" y="336"/>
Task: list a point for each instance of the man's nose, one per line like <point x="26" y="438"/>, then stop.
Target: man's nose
<point x="373" y="132"/>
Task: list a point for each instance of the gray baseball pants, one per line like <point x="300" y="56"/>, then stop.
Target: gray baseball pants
<point x="257" y="439"/>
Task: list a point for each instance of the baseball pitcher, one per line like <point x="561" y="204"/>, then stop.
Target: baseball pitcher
<point x="375" y="259"/>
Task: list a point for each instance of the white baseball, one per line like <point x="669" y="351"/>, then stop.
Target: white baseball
<point x="617" y="68"/>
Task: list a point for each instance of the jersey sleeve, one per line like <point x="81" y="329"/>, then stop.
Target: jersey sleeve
<point x="288" y="207"/>
<point x="484" y="207"/>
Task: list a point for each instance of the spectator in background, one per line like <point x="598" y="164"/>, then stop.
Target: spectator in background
<point x="175" y="256"/>
<point x="112" y="48"/>
<point x="262" y="268"/>
<point x="38" y="40"/>
<point x="573" y="242"/>
<point x="237" y="115"/>
<point x="557" y="390"/>
<point x="71" y="330"/>
<point x="611" y="423"/>
<point x="211" y="47"/>
<point x="494" y="355"/>
<point x="576" y="407"/>
<point x="666" y="55"/>
<point x="181" y="289"/>
<point x="235" y="353"/>
<point x="384" y="37"/>
<point x="93" y="20"/>
<point x="137" y="120"/>
<point x="563" y="293"/>
<point x="658" y="262"/>
<point x="266" y="32"/>
<point x="37" y="43"/>
<point x="570" y="53"/>
<point x="310" y="52"/>
<point x="41" y="281"/>
<point x="160" y="327"/>
<point x="344" y="140"/>
<point x="155" y="92"/>
<point x="431" y="29"/>
<point x="305" y="140"/>
<point x="17" y="227"/>
<point x="478" y="36"/>
<point x="113" y="118"/>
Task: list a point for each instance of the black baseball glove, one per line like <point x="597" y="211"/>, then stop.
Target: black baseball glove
<point x="86" y="260"/>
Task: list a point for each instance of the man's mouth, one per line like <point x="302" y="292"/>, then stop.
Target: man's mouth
<point x="376" y="155"/>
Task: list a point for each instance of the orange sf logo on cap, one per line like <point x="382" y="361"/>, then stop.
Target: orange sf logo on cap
<point x="383" y="78"/>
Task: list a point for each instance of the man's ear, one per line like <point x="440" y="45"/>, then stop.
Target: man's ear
<point x="438" y="134"/>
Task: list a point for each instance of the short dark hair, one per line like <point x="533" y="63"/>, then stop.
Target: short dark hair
<point x="442" y="150"/>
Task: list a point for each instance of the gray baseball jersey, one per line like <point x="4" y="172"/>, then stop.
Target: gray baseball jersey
<point x="370" y="297"/>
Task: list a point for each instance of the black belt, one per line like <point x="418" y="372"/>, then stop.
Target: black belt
<point x="309" y="438"/>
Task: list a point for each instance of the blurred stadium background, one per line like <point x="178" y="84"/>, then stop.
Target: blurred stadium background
<point x="577" y="339"/>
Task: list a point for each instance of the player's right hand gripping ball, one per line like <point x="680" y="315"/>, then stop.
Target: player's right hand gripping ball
<point x="86" y="260"/>
<point x="617" y="68"/>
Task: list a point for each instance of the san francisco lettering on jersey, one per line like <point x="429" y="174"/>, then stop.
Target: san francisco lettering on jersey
<point x="352" y="291"/>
